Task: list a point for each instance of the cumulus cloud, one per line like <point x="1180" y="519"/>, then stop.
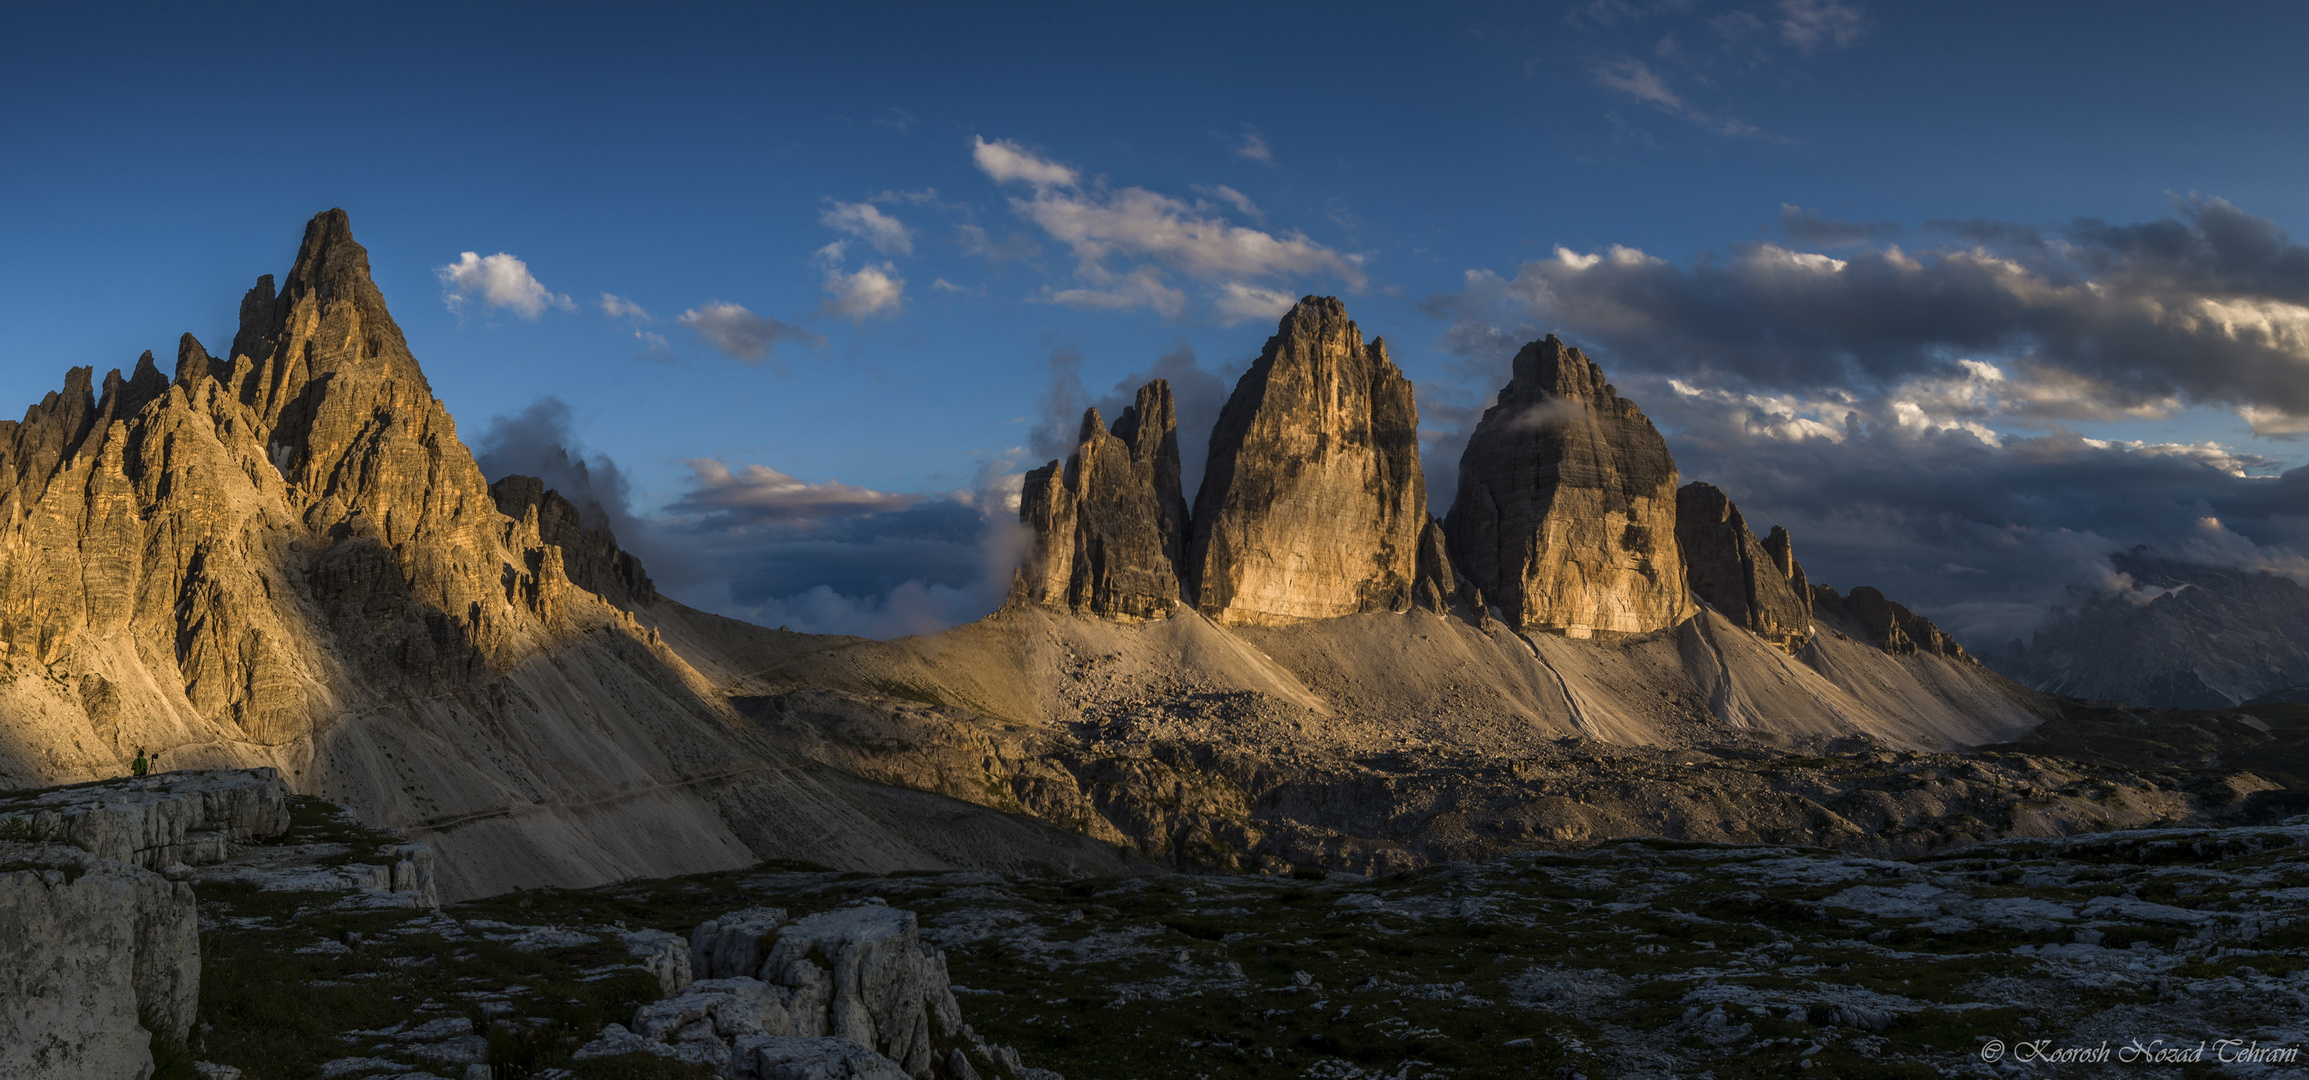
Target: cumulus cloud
<point x="1126" y="241"/>
<point x="1006" y="161"/>
<point x="498" y="281"/>
<point x="1983" y="532"/>
<point x="1238" y="302"/>
<point x="867" y="222"/>
<point x="1137" y="223"/>
<point x="740" y="334"/>
<point x="864" y="293"/>
<point x="2208" y="307"/>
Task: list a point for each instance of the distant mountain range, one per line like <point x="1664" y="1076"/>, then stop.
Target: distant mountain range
<point x="2213" y="637"/>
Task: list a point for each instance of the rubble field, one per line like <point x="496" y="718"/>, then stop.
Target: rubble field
<point x="1635" y="959"/>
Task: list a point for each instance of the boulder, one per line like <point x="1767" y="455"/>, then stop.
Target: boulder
<point x="1565" y="517"/>
<point x="1110" y="527"/>
<point x="880" y="987"/>
<point x="1313" y="502"/>
<point x="735" y="943"/>
<point x="1754" y="583"/>
<point x="776" y="1057"/>
<point x="92" y="951"/>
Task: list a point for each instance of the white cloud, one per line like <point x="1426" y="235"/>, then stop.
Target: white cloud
<point x="1238" y="302"/>
<point x="867" y="222"/>
<point x="1006" y="161"/>
<point x="1138" y="223"/>
<point x="618" y="307"/>
<point x="1142" y="287"/>
<point x="499" y="281"/>
<point x="868" y="291"/>
<point x="2274" y="423"/>
<point x="740" y="334"/>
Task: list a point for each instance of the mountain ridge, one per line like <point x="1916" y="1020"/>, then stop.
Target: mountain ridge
<point x="287" y="558"/>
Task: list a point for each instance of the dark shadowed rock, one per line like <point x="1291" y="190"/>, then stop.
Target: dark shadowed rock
<point x="2186" y="636"/>
<point x="1313" y="502"/>
<point x="1110" y="525"/>
<point x="1436" y="583"/>
<point x="1566" y="512"/>
<point x="1756" y="584"/>
<point x="1867" y="615"/>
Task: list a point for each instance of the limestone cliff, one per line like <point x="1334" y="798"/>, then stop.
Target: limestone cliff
<point x="589" y="551"/>
<point x="1566" y="512"/>
<point x="1313" y="502"/>
<point x="91" y="952"/>
<point x="1110" y="526"/>
<point x="287" y="558"/>
<point x="1867" y="615"/>
<point x="1756" y="584"/>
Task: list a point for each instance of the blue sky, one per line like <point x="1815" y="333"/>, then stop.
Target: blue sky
<point x="860" y="256"/>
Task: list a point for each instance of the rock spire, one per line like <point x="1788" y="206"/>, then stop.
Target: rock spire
<point x="1566" y="512"/>
<point x="1755" y="583"/>
<point x="1313" y="503"/>
<point x="1111" y="524"/>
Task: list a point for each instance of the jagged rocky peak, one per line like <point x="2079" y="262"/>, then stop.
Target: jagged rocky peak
<point x="1313" y="503"/>
<point x="1566" y="512"/>
<point x="1756" y="583"/>
<point x="1110" y="524"/>
<point x="1868" y="615"/>
<point x="590" y="554"/>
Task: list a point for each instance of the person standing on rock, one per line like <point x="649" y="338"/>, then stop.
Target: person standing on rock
<point x="138" y="766"/>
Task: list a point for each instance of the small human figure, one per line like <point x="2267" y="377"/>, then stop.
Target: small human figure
<point x="138" y="767"/>
<point x="154" y="764"/>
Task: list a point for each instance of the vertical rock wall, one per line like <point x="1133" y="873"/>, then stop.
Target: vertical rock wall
<point x="1566" y="511"/>
<point x="1313" y="503"/>
<point x="1110" y="524"/>
<point x="1756" y="584"/>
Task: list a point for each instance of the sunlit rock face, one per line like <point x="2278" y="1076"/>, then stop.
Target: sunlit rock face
<point x="1313" y="503"/>
<point x="1755" y="583"/>
<point x="1110" y="524"/>
<point x="1566" y="513"/>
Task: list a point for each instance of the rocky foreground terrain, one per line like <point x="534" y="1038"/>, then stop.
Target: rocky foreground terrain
<point x="321" y="954"/>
